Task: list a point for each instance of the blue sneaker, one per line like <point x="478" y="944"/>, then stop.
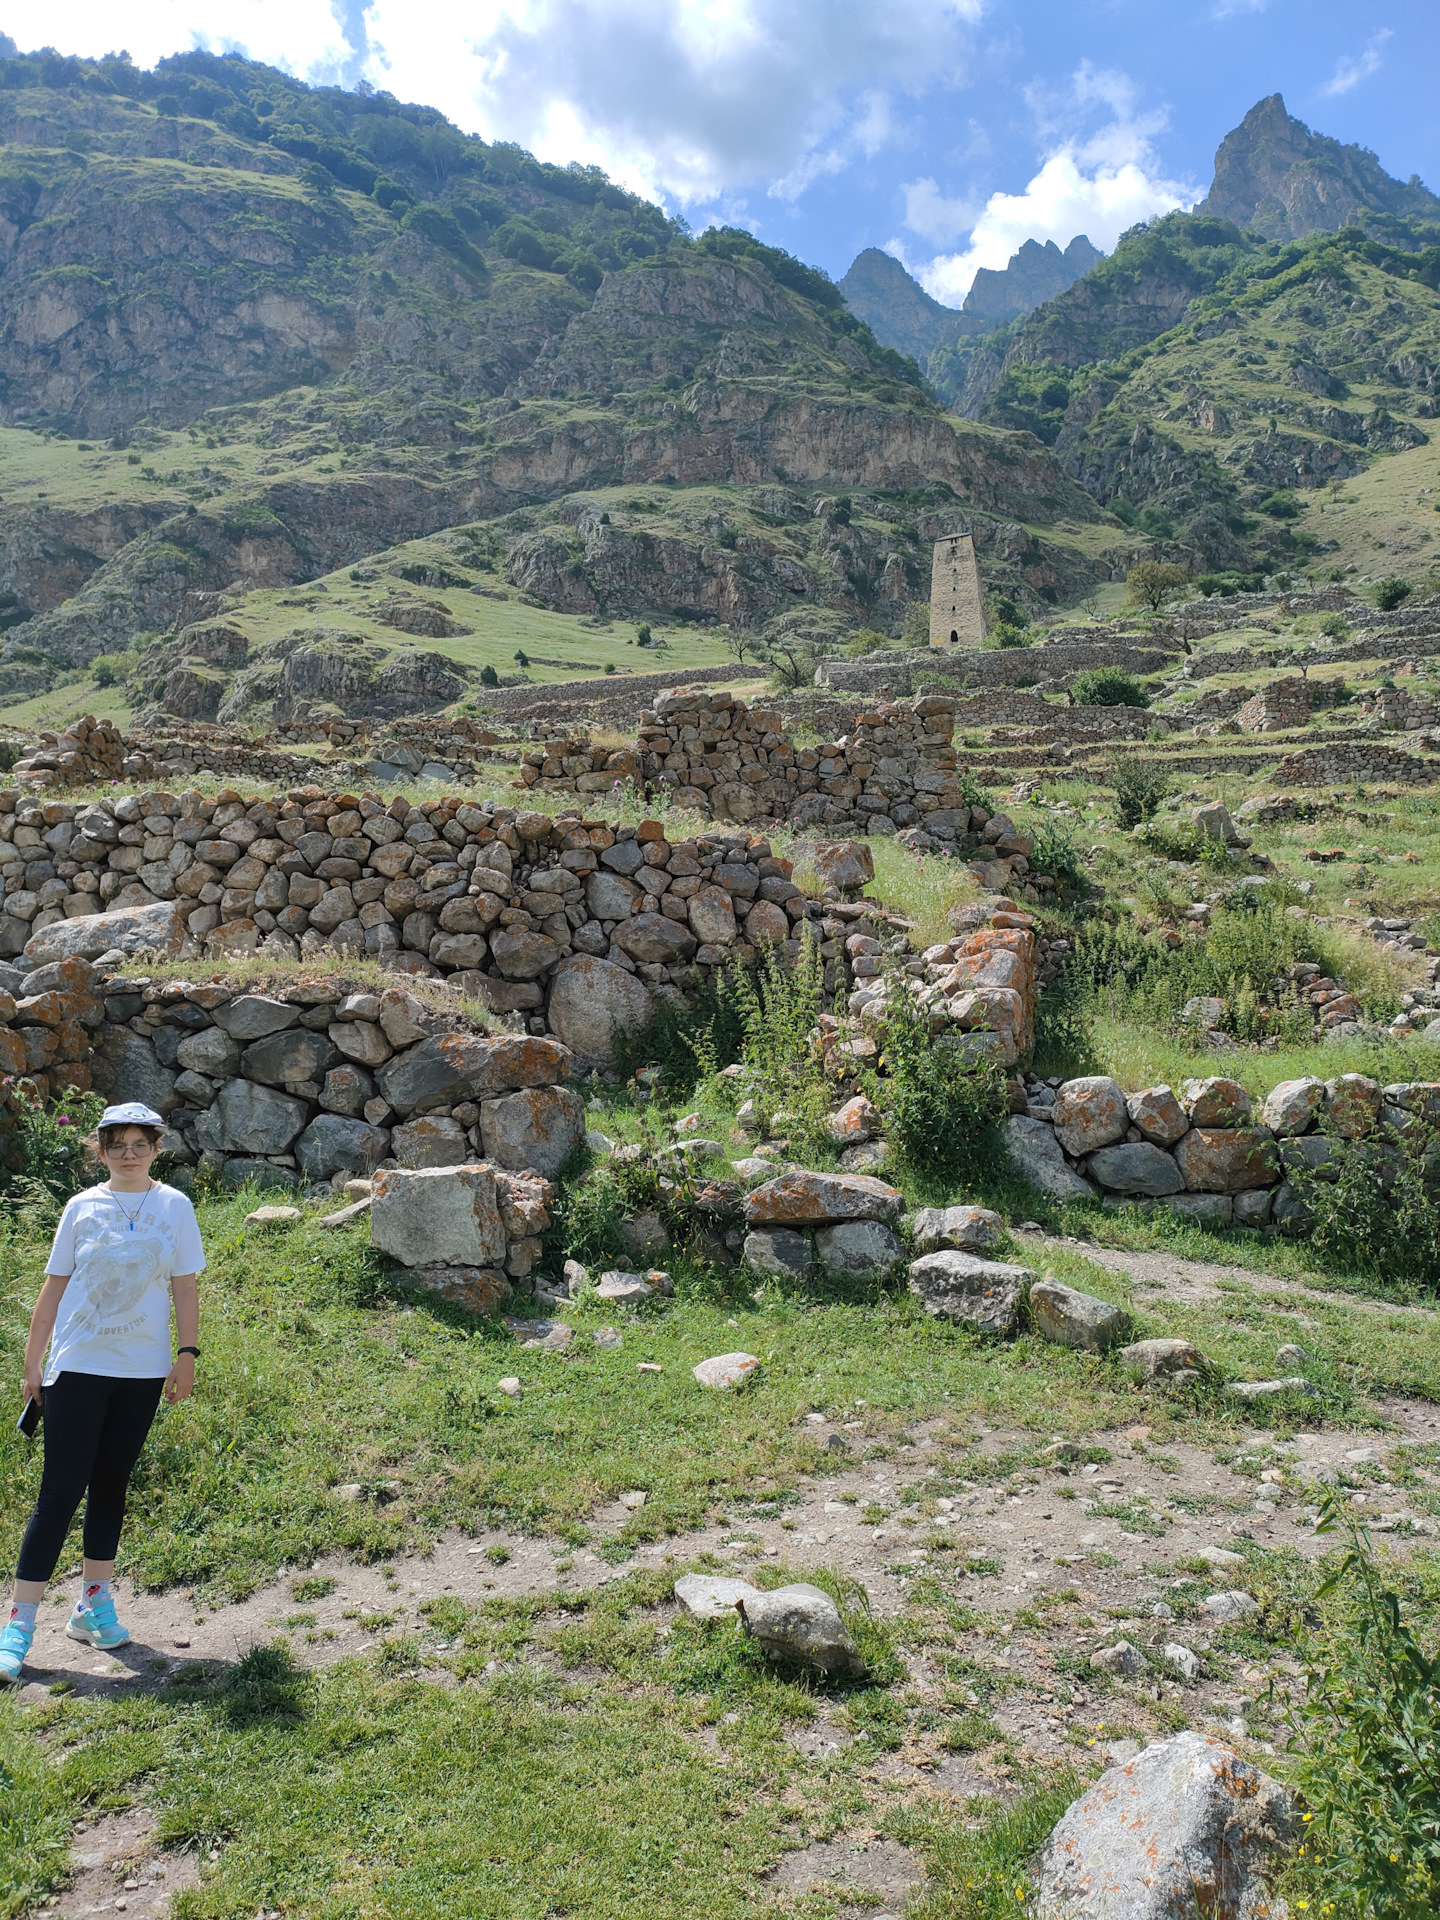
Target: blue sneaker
<point x="96" y="1624"/>
<point x="14" y="1645"/>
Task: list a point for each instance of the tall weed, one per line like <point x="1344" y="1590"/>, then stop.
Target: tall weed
<point x="943" y="1111"/>
<point x="1367" y="1733"/>
<point x="1372" y="1209"/>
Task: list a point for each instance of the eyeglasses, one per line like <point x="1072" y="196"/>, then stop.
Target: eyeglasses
<point x="131" y="1149"/>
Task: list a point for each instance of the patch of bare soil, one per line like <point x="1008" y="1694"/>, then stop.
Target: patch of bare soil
<point x="864" y="1865"/>
<point x="117" y="1868"/>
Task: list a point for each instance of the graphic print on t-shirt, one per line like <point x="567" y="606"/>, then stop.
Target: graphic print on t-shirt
<point x="114" y="1315"/>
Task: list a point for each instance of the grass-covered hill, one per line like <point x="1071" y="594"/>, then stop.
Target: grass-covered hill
<point x="253" y="332"/>
<point x="1209" y="383"/>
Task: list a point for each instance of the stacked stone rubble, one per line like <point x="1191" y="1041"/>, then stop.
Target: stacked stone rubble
<point x="89" y="750"/>
<point x="1342" y="761"/>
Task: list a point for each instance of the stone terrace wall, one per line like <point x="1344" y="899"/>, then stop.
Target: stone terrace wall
<point x="312" y="1081"/>
<point x="1342" y="761"/>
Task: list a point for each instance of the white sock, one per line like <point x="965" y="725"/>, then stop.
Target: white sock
<point x="22" y="1613"/>
<point x="99" y="1590"/>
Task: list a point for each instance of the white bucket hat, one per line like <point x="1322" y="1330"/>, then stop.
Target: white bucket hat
<point x="132" y="1113"/>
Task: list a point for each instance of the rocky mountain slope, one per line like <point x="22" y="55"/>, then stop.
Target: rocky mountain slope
<point x="1277" y="178"/>
<point x="257" y="332"/>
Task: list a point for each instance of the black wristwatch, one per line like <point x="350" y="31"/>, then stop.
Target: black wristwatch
<point x="194" y="1350"/>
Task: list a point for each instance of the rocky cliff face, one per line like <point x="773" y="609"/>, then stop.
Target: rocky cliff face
<point x="1276" y="177"/>
<point x="897" y="308"/>
<point x="1034" y="275"/>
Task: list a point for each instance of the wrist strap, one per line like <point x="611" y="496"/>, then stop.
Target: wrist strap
<point x="194" y="1350"/>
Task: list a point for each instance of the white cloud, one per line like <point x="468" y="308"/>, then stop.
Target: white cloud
<point x="935" y="218"/>
<point x="303" y="36"/>
<point x="1097" y="185"/>
<point x="1351" y="69"/>
<point x="681" y="99"/>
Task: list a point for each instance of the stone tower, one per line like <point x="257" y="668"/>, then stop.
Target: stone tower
<point x="957" y="614"/>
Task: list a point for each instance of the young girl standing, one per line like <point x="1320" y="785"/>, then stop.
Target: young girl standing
<point x="122" y="1252"/>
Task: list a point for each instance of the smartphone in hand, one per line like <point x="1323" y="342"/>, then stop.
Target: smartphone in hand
<point x="29" y="1421"/>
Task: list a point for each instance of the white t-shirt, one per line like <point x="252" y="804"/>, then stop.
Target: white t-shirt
<point x="114" y="1316"/>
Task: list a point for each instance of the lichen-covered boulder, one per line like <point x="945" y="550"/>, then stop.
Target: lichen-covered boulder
<point x="858" y="1250"/>
<point x="1227" y="1159"/>
<point x="803" y="1624"/>
<point x="969" y="1229"/>
<point x="1353" y="1105"/>
<point x="802" y="1199"/>
<point x="539" y="1127"/>
<point x="431" y="1141"/>
<point x="593" y="1003"/>
<point x="1292" y="1107"/>
<point x="1155" y="1112"/>
<point x="779" y="1253"/>
<point x="1090" y="1112"/>
<point x="1216" y="1102"/>
<point x="249" y="1118"/>
<point x="1186" y="1827"/>
<point x="438" y="1216"/>
<point x="333" y="1144"/>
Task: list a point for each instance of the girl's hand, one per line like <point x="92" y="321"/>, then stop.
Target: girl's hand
<point x="180" y="1381"/>
<point x="33" y="1372"/>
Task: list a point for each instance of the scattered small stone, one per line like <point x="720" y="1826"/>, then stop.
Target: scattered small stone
<point x="1185" y="1662"/>
<point x="725" y="1369"/>
<point x="350" y="1491"/>
<point x="1068" y="1318"/>
<point x="1290" y="1356"/>
<point x="179" y="1639"/>
<point x="1221" y="1557"/>
<point x="1150" y="1360"/>
<point x="1269" y="1389"/>
<point x="266" y="1217"/>
<point x="608" y="1337"/>
<point x="633" y="1501"/>
<point x="1233" y="1605"/>
<point x="647" y="1366"/>
<point x="510" y="1386"/>
<point x="355" y="1211"/>
<point x="1360" y="1456"/>
<point x="1122" y="1658"/>
<point x="599" y="1142"/>
<point x="576" y="1278"/>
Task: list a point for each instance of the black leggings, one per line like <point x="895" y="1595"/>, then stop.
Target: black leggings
<point x="95" y="1426"/>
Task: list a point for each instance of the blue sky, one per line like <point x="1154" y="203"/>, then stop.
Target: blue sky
<point x="944" y="130"/>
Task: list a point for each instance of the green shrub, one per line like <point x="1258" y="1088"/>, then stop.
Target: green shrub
<point x="685" y="1042"/>
<point x="1108" y="687"/>
<point x="44" y="1158"/>
<point x="1389" y="594"/>
<point x="1374" y="1211"/>
<point x="1057" y="852"/>
<point x="1367" y="1733"/>
<point x="488" y="676"/>
<point x="943" y="1113"/>
<point x="1139" y="786"/>
<point x="1005" y="636"/>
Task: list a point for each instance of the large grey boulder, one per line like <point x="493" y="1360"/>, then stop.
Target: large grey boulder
<point x="799" y="1198"/>
<point x="803" y="1624"/>
<point x="1090" y="1112"/>
<point x="970" y="1229"/>
<point x="652" y="938"/>
<point x="295" y="1053"/>
<point x="858" y="1250"/>
<point x="131" y="930"/>
<point x="1186" y="1827"/>
<point x="438" y="1216"/>
<point x="712" y="917"/>
<point x="539" y="1127"/>
<point x="593" y="1002"/>
<point x="609" y="896"/>
<point x="1035" y="1152"/>
<point x="453" y="1067"/>
<point x="1159" y="1359"/>
<point x="137" y="1072"/>
<point x="1070" y="1318"/>
<point x="208" y="1051"/>
<point x="1216" y="1102"/>
<point x="1136" y="1166"/>
<point x="779" y="1253"/>
<point x="333" y="1144"/>
<point x="984" y="1294"/>
<point x="253" y="1016"/>
<point x="249" y="1118"/>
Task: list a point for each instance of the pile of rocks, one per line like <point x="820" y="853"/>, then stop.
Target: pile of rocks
<point x="736" y="763"/>
<point x="1204" y="1153"/>
<point x="470" y="1233"/>
<point x="1276" y="708"/>
<point x="572" y="765"/>
<point x="89" y="750"/>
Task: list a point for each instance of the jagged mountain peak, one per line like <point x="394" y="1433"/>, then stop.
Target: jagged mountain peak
<point x="1277" y="177"/>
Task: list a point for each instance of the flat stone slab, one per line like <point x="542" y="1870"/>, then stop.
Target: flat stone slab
<point x="709" y="1597"/>
<point x="803" y="1199"/>
<point x="270" y="1217"/>
<point x="984" y="1294"/>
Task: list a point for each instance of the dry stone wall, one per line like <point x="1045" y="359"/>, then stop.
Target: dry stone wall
<point x="1339" y="762"/>
<point x="1205" y="1152"/>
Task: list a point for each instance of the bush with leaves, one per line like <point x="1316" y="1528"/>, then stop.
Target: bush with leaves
<point x="44" y="1156"/>
<point x="1139" y="786"/>
<point x="1389" y="594"/>
<point x="1367" y="1740"/>
<point x="943" y="1110"/>
<point x="1107" y="687"/>
<point x="1057" y="852"/>
<point x="1372" y="1208"/>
